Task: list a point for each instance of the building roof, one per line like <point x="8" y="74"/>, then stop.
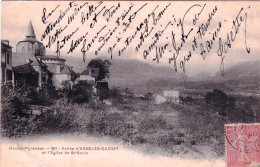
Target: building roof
<point x="52" y="68"/>
<point x="4" y="43"/>
<point x="30" y="35"/>
<point x="21" y="58"/>
<point x="65" y="69"/>
<point x="52" y="57"/>
<point x="85" y="72"/>
<point x="30" y="31"/>
<point x="94" y="72"/>
<point x="25" y="69"/>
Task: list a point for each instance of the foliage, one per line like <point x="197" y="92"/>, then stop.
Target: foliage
<point x="148" y="96"/>
<point x="79" y="93"/>
<point x="219" y="101"/>
<point x="14" y="119"/>
<point x="185" y="100"/>
<point x="103" y="66"/>
<point x="115" y="94"/>
<point x="150" y="124"/>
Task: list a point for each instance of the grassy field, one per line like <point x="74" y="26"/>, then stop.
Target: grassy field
<point x="194" y="129"/>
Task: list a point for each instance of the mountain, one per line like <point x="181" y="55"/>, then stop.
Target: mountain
<point x="244" y="76"/>
<point x="241" y="71"/>
<point x="133" y="73"/>
<point x="203" y="76"/>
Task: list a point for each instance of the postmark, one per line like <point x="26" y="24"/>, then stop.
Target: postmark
<point x="242" y="144"/>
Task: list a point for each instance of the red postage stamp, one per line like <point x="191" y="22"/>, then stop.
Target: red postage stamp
<point x="242" y="145"/>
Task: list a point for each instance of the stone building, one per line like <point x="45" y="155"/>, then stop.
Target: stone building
<point x="52" y="70"/>
<point x="61" y="73"/>
<point x="90" y="74"/>
<point x="6" y="62"/>
<point x="25" y="75"/>
<point x="29" y="52"/>
<point x="30" y="44"/>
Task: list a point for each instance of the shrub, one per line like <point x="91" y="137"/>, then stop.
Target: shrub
<point x="14" y="117"/>
<point x="79" y="93"/>
<point x="115" y="95"/>
<point x="150" y="124"/>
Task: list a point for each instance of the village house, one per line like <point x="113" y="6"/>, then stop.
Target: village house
<point x="90" y="75"/>
<point x="168" y="96"/>
<point x="25" y="75"/>
<point x="172" y="95"/>
<point x="61" y="73"/>
<point x="159" y="99"/>
<point x="6" y="62"/>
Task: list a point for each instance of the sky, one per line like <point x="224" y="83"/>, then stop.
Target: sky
<point x="15" y="16"/>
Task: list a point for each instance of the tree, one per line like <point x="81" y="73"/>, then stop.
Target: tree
<point x="116" y="95"/>
<point x="149" y="97"/>
<point x="218" y="100"/>
<point x="102" y="65"/>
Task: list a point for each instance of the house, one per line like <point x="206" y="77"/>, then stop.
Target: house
<point x="172" y="95"/>
<point x="45" y="76"/>
<point x="90" y="74"/>
<point x="25" y="75"/>
<point x="159" y="99"/>
<point x="6" y="62"/>
<point x="61" y="73"/>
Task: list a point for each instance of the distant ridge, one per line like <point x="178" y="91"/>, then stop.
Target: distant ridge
<point x="130" y="73"/>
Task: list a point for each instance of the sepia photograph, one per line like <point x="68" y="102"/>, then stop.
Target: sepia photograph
<point x="130" y="83"/>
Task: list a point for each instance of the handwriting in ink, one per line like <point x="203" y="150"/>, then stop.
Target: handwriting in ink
<point x="231" y="37"/>
<point x="51" y="25"/>
<point x="46" y="16"/>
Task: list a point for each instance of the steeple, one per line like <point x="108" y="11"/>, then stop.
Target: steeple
<point x="30" y="31"/>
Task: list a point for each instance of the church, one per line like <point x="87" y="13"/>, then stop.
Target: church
<point x="32" y="67"/>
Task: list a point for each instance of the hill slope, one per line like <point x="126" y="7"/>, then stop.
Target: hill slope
<point x="241" y="72"/>
<point x="133" y="73"/>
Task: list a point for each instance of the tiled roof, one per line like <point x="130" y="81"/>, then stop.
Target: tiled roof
<point x="25" y="68"/>
<point x="52" y="68"/>
<point x="53" y="57"/>
<point x="65" y="69"/>
<point x="93" y="71"/>
<point x="21" y="58"/>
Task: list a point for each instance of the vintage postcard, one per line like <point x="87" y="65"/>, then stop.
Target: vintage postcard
<point x="130" y="83"/>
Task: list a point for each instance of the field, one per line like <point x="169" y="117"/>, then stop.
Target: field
<point x="186" y="129"/>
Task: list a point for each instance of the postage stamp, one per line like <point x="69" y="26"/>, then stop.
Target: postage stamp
<point x="242" y="145"/>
